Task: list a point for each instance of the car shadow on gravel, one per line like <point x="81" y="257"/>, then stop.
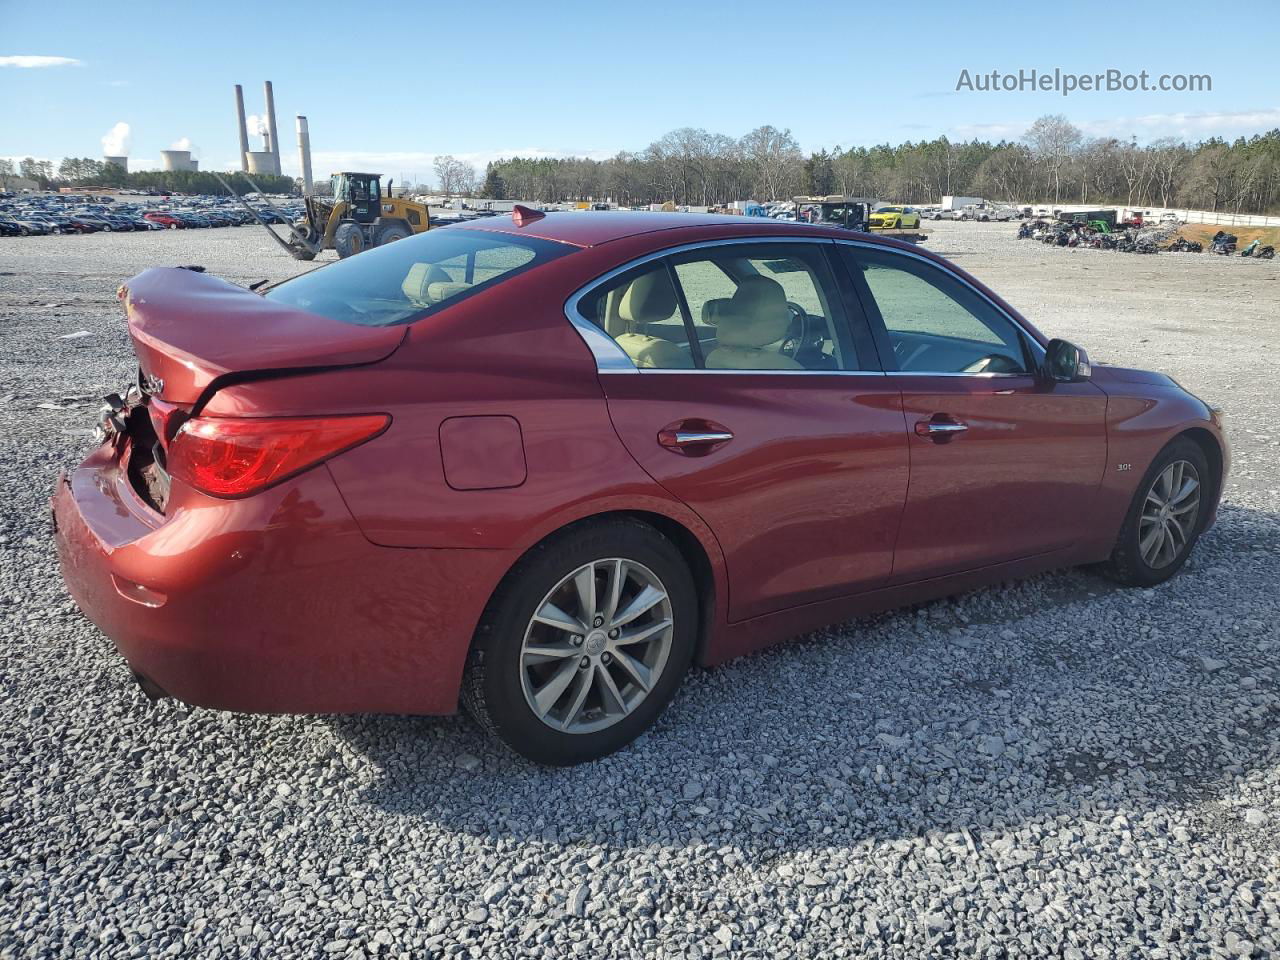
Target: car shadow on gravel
<point x="1056" y="696"/>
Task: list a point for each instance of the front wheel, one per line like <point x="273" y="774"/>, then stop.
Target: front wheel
<point x="584" y="643"/>
<point x="1165" y="518"/>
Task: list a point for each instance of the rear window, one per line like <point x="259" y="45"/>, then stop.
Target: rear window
<point x="414" y="277"/>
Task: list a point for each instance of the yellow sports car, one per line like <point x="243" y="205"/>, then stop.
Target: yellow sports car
<point x="895" y="218"/>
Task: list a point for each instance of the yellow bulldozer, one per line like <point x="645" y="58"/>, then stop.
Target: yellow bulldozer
<point x="356" y="217"/>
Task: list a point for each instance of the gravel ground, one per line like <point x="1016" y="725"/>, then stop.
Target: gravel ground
<point x="1048" y="768"/>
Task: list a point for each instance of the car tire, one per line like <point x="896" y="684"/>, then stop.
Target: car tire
<point x="348" y="240"/>
<point x="600" y="705"/>
<point x="1156" y="508"/>
<point x="173" y="226"/>
<point x="391" y="233"/>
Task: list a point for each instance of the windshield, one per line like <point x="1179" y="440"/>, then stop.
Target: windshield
<point x="411" y="278"/>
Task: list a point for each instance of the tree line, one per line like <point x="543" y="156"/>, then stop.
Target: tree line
<point x="1052" y="162"/>
<point x="89" y="172"/>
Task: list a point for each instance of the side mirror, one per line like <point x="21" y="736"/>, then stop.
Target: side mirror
<point x="1064" y="362"/>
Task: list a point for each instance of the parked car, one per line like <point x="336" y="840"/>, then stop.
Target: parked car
<point x="895" y="218"/>
<point x="10" y="227"/>
<point x="165" y="219"/>
<point x="548" y="462"/>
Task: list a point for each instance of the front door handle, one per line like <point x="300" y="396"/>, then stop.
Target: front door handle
<point x="940" y="428"/>
<point x="693" y="436"/>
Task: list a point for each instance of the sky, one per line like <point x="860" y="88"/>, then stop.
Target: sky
<point x="400" y="83"/>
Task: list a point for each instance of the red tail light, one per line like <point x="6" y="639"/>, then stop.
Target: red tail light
<point x="229" y="457"/>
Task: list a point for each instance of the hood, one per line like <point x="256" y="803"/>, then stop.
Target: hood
<point x="1104" y="374"/>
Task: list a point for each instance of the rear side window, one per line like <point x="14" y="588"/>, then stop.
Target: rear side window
<point x="745" y="307"/>
<point x="414" y="277"/>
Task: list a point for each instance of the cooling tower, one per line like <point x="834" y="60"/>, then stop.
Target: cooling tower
<point x="121" y="162"/>
<point x="175" y="160"/>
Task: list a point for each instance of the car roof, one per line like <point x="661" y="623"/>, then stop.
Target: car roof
<point x="590" y="228"/>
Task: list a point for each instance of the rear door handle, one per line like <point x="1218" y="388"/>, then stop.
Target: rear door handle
<point x="940" y="428"/>
<point x="693" y="436"/>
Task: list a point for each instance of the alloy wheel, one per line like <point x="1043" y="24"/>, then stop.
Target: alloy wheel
<point x="1169" y="514"/>
<point x="596" y="645"/>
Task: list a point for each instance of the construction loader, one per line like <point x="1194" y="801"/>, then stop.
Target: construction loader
<point x="355" y="218"/>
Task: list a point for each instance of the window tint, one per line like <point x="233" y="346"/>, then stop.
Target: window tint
<point x="411" y="278"/>
<point x="749" y="307"/>
<point x="935" y="323"/>
<point x="639" y="310"/>
<point x="764" y="307"/>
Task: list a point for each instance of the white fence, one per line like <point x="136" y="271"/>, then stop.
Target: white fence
<point x="1222" y="218"/>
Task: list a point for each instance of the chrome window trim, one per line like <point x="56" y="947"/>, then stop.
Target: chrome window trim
<point x="612" y="359"/>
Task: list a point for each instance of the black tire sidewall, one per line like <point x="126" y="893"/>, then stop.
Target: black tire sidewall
<point x="1127" y="559"/>
<point x="496" y="656"/>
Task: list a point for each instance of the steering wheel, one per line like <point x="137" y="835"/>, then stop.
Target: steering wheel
<point x="798" y="335"/>
<point x="805" y="339"/>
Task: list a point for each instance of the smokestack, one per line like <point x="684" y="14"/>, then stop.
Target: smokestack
<point x="244" y="131"/>
<point x="304" y="155"/>
<point x="274" y="145"/>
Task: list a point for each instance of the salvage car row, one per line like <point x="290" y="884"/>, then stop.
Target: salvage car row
<point x="39" y="215"/>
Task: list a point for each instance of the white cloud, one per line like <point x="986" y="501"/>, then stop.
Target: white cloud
<point x="418" y="165"/>
<point x="1149" y="126"/>
<point x="30" y="63"/>
<point x="1191" y="125"/>
<point x="990" y="131"/>
<point x="115" y="142"/>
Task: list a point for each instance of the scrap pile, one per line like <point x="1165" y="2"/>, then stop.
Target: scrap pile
<point x="1132" y="238"/>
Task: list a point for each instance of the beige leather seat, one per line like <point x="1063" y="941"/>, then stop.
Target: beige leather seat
<point x="749" y="326"/>
<point x="649" y="298"/>
<point x="419" y="280"/>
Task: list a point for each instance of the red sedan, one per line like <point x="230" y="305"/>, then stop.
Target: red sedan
<point x="547" y="463"/>
<point x="164" y="218"/>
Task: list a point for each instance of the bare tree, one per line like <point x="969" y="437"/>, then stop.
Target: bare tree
<point x="776" y="157"/>
<point x="1169" y="157"/>
<point x="1053" y="140"/>
<point x="454" y="175"/>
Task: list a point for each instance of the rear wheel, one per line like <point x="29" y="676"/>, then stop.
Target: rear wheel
<point x="584" y="643"/>
<point x="391" y="233"/>
<point x="348" y="240"/>
<point x="1165" y="518"/>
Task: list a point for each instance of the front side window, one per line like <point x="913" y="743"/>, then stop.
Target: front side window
<point x="732" y="307"/>
<point x="411" y="278"/>
<point x="935" y="323"/>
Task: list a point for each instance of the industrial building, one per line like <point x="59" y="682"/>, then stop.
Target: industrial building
<point x="266" y="160"/>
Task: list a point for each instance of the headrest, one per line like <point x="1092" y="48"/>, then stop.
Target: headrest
<point x="419" y="278"/>
<point x="445" y="289"/>
<point x="714" y="309"/>
<point x="648" y="299"/>
<point x="757" y="314"/>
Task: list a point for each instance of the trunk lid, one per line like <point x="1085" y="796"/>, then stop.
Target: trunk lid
<point x="191" y="329"/>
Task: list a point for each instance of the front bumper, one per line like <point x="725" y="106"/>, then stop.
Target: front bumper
<point x="271" y="604"/>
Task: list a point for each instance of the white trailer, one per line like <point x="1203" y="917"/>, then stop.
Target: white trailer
<point x="958" y="203"/>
